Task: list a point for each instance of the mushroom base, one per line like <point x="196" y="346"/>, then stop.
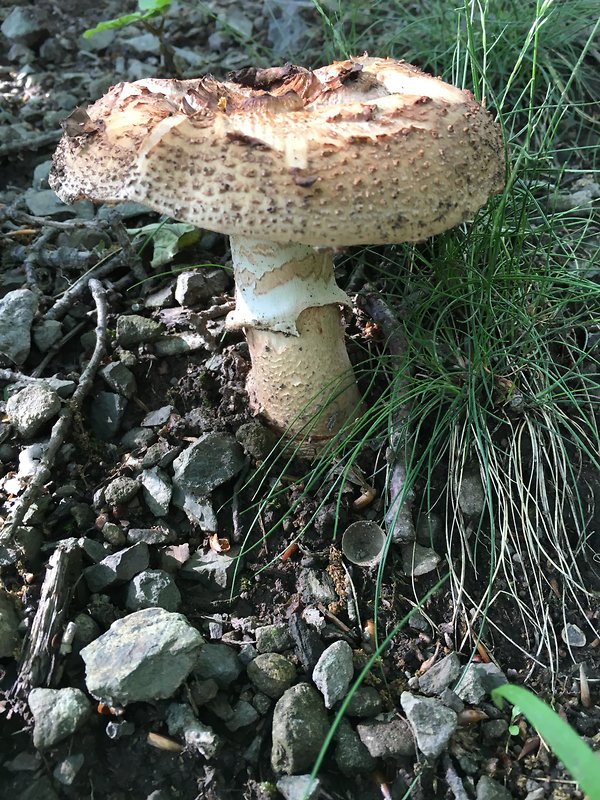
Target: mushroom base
<point x="304" y="384"/>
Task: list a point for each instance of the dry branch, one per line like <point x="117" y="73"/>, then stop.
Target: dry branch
<point x="63" y="423"/>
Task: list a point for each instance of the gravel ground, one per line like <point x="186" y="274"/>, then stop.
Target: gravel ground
<point x="140" y="655"/>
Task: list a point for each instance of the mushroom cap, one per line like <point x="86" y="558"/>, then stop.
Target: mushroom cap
<point x="363" y="151"/>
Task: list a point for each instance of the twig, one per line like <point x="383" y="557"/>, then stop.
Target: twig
<point x="100" y="270"/>
<point x="124" y="241"/>
<point x="453" y="780"/>
<point x="18" y="216"/>
<point x="60" y="428"/>
<point x="35" y="142"/>
<point x="39" y="665"/>
<point x="10" y="376"/>
<point x="398" y="516"/>
<point x="32" y="258"/>
<point x="37" y="372"/>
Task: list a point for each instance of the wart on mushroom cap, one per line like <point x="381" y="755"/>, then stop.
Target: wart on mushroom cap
<point x="364" y="151"/>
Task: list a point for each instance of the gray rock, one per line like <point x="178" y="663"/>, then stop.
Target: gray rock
<point x="299" y="787"/>
<point x="144" y="44"/>
<point x="233" y="19"/>
<point x="536" y="794"/>
<point x="213" y="570"/>
<point x="219" y="662"/>
<point x="26" y="26"/>
<point x="157" y="491"/>
<point x="351" y="755"/>
<point x="157" y="535"/>
<point x="46" y="333"/>
<point x="452" y="700"/>
<point x="182" y="722"/>
<point x="261" y="702"/>
<point x="432" y="722"/>
<point x="44" y="203"/>
<point x="489" y="789"/>
<point x="145" y="656"/>
<point x="573" y="635"/>
<point x="198" y="508"/>
<point x="161" y="298"/>
<point x="63" y="388"/>
<point x="121" y="490"/>
<point x="300" y="726"/>
<point x="106" y="414"/>
<point x="118" y="568"/>
<point x="204" y="691"/>
<point x="32" y="407"/>
<point x="138" y="437"/>
<point x="440" y="675"/>
<point x="256" y="440"/>
<point x="52" y="49"/>
<point x="113" y="534"/>
<point x="365" y="702"/>
<point x="160" y="416"/>
<point x="160" y="454"/>
<point x="430" y="531"/>
<point x="86" y="630"/>
<point x="133" y="329"/>
<point x="418" y="560"/>
<point x="586" y="191"/>
<point x="17" y="310"/>
<point x="494" y="730"/>
<point x="57" y="713"/>
<point x="119" y="378"/>
<point x="244" y="714"/>
<point x="9" y="623"/>
<point x="387" y="736"/>
<point x="66" y="771"/>
<point x="471" y="497"/>
<point x="210" y="462"/>
<point x="190" y="58"/>
<point x="316" y="586"/>
<point x="200" y="284"/>
<point x="478" y="681"/>
<point x="39" y="789"/>
<point x="309" y="645"/>
<point x="152" y="588"/>
<point x="178" y="343"/>
<point x="333" y="672"/>
<point x="221" y="707"/>
<point x="272" y="674"/>
<point x="273" y="638"/>
<point x="96" y="551"/>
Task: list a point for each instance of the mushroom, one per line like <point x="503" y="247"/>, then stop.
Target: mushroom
<point x="292" y="164"/>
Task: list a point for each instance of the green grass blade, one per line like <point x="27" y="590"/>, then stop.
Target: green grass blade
<point x="578" y="758"/>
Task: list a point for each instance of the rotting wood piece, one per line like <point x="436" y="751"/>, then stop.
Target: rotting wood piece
<point x="40" y="663"/>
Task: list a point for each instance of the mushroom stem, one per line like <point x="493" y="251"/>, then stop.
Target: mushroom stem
<point x="287" y="302"/>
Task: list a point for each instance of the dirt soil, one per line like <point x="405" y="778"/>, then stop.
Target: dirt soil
<point x="41" y="82"/>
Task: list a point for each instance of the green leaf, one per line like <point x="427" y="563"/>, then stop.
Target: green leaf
<point x="147" y="10"/>
<point x="108" y="24"/>
<point x="155" y="6"/>
<point x="168" y="239"/>
<point x="578" y="758"/>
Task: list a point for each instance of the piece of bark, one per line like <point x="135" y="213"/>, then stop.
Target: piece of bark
<point x="40" y="663"/>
